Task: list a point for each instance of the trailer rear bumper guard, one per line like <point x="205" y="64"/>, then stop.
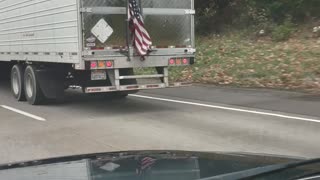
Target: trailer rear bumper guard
<point x="90" y="90"/>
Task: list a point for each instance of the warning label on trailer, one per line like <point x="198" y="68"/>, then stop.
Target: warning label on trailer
<point x="91" y="45"/>
<point x="102" y="31"/>
<point x="91" y="39"/>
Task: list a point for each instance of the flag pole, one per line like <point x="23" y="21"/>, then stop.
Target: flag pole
<point x="140" y="6"/>
<point x="127" y="31"/>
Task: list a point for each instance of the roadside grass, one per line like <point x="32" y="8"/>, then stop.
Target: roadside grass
<point x="238" y="61"/>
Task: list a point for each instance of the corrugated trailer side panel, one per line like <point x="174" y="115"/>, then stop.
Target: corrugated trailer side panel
<point x="40" y="30"/>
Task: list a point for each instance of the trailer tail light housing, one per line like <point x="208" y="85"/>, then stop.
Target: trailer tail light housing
<point x="101" y="64"/>
<point x="178" y="61"/>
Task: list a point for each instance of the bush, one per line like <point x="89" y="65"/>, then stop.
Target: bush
<point x="283" y="32"/>
<point x="215" y="16"/>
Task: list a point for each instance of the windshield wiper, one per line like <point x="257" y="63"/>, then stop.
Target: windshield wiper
<point x="262" y="171"/>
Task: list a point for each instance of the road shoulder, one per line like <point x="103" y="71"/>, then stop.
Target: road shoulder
<point x="266" y="99"/>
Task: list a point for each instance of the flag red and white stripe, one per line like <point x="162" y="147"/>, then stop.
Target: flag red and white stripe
<point x="145" y="164"/>
<point x="141" y="38"/>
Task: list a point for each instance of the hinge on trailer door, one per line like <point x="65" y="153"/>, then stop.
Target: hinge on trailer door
<point x="191" y="50"/>
<point x="86" y="10"/>
<point x="190" y="11"/>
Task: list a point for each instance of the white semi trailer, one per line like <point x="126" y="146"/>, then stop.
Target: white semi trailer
<point x="48" y="45"/>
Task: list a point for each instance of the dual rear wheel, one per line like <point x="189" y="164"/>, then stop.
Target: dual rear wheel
<point x="24" y="84"/>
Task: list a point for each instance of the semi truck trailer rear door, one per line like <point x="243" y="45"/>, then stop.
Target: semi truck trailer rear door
<point x="104" y="24"/>
<point x="170" y="24"/>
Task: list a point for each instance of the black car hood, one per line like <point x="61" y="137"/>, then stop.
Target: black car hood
<point x="133" y="164"/>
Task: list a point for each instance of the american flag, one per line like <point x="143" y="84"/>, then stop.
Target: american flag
<point x="141" y="38"/>
<point x="145" y="164"/>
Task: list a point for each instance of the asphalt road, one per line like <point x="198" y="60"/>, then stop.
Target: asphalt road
<point x="194" y="118"/>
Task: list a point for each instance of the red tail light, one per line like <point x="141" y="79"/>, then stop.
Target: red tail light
<point x="109" y="64"/>
<point x="172" y="62"/>
<point x="93" y="65"/>
<point x="185" y="61"/>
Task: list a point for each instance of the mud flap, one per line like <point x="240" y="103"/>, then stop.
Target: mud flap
<point x="51" y="83"/>
<point x="5" y="69"/>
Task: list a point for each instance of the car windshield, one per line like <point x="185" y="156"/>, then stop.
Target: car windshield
<point x="83" y="77"/>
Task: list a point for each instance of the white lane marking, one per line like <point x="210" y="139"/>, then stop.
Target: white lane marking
<point x="308" y="178"/>
<point x="228" y="108"/>
<point x="23" y="113"/>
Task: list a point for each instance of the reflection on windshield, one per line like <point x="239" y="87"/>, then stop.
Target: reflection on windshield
<point x="161" y="166"/>
<point x="125" y="169"/>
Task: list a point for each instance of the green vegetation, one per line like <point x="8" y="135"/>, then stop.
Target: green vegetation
<point x="219" y="16"/>
<point x="283" y="32"/>
<point x="256" y="43"/>
<point x="234" y="60"/>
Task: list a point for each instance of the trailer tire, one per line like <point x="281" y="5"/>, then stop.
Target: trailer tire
<point x="17" y="82"/>
<point x="32" y="88"/>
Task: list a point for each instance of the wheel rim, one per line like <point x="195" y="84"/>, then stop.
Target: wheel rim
<point x="15" y="82"/>
<point x="29" y="85"/>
